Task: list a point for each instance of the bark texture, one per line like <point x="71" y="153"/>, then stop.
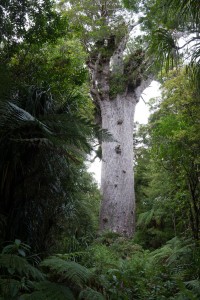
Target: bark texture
<point x="118" y="204"/>
<point x="116" y="114"/>
<point x="116" y="88"/>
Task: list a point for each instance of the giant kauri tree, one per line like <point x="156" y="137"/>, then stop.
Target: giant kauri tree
<point x="118" y="79"/>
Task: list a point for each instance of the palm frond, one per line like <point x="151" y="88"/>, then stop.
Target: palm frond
<point x="103" y="135"/>
<point x="165" y="47"/>
<point x="193" y="70"/>
<point x="12" y="116"/>
<point x="187" y="10"/>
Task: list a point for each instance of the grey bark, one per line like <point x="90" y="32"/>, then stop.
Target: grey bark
<point x="118" y="203"/>
<point x="116" y="114"/>
<point x="105" y="39"/>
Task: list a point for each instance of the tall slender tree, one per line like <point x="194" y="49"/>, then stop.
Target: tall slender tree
<point x="117" y="82"/>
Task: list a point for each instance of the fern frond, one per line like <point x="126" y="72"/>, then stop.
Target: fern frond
<point x="20" y="266"/>
<point x="71" y="256"/>
<point x="184" y="293"/>
<point x="180" y="248"/>
<point x="90" y="294"/>
<point x="194" y="285"/>
<point x="9" y="288"/>
<point x="173" y="250"/>
<point x="145" y="218"/>
<point x="103" y="135"/>
<point x="70" y="270"/>
<point x="49" y="291"/>
<point x="38" y="295"/>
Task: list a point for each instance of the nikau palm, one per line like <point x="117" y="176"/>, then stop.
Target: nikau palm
<point x="173" y="20"/>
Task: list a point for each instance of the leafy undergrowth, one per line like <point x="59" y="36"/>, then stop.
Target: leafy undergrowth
<point x="126" y="271"/>
<point x="111" y="268"/>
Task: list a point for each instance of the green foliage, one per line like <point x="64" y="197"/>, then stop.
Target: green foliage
<point x="167" y="188"/>
<point x="175" y="138"/>
<point x="90" y="294"/>
<point x="157" y="217"/>
<point x="76" y="274"/>
<point x="125" y="271"/>
<point x="31" y="21"/>
<point x="172" y="20"/>
<point x="88" y="20"/>
<point x="49" y="290"/>
<point x="46" y="196"/>
<point x="59" y="139"/>
<point x="16" y="264"/>
<point x="16" y="273"/>
<point x="166" y="50"/>
<point x="72" y="274"/>
<point x="117" y="85"/>
<point x="46" y="129"/>
<point x="20" y="280"/>
<point x="135" y="65"/>
<point x="133" y="4"/>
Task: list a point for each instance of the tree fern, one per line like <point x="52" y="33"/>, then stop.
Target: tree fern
<point x="155" y="214"/>
<point x="15" y="117"/>
<point x="165" y="47"/>
<point x="38" y="145"/>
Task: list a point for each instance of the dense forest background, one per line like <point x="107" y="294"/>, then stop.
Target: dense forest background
<point x="51" y="247"/>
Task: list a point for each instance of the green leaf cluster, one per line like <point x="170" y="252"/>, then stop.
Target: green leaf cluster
<point x="62" y="279"/>
<point x="167" y="164"/>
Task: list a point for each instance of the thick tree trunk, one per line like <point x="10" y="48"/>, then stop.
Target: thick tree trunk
<point x="110" y="74"/>
<point x="118" y="203"/>
<point x="118" y="79"/>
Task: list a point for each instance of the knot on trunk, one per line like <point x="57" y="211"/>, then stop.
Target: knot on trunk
<point x="119" y="122"/>
<point x="118" y="149"/>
